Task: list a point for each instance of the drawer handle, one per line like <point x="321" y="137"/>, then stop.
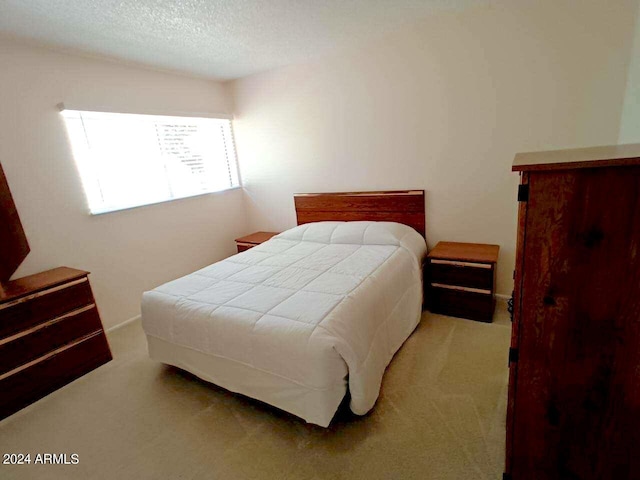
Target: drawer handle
<point x="462" y="289"/>
<point x="462" y="264"/>
<point x="46" y="324"/>
<point x="44" y="292"/>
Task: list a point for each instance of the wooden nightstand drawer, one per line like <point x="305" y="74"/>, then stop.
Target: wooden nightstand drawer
<point x="29" y="311"/>
<point x="37" y="341"/>
<point x="464" y="274"/>
<point x="459" y="303"/>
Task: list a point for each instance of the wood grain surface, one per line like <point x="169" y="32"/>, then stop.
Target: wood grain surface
<point x="50" y="334"/>
<point x="256" y="238"/>
<point x="468" y="252"/>
<point x="517" y="311"/>
<point x="14" y="246"/>
<point x="577" y="400"/>
<point x="40" y="281"/>
<point x="44" y="377"/>
<point x="592" y="157"/>
<point x="402" y="206"/>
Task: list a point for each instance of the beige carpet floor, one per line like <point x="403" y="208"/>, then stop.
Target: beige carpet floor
<point x="440" y="415"/>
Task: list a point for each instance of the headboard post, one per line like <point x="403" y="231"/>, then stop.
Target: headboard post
<point x="402" y="206"/>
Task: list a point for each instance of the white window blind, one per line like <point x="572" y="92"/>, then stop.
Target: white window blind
<point x="127" y="160"/>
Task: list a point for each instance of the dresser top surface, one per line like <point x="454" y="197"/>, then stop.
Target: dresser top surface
<point x="608" y="156"/>
<point x="33" y="283"/>
<point x="468" y="252"/>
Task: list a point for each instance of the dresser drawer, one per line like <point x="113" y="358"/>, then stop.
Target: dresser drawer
<point x="46" y="337"/>
<point x="463" y="274"/>
<point x="52" y="372"/>
<point x="458" y="303"/>
<point x="29" y="311"/>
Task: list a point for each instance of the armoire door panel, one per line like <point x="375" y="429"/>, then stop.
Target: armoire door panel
<point x="577" y="400"/>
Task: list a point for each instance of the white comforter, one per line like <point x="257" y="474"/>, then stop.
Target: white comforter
<point x="315" y="305"/>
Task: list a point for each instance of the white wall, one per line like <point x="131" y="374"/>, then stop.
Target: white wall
<point x="127" y="252"/>
<point x="630" y="125"/>
<point x="443" y="105"/>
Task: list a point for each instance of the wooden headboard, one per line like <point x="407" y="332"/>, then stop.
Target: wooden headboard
<point x="402" y="206"/>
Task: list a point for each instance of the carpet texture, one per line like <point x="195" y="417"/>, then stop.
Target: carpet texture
<point x="440" y="415"/>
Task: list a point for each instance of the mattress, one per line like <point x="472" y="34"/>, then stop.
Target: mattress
<point x="297" y="320"/>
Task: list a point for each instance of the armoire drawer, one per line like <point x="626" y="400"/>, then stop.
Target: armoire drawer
<point x="464" y="274"/>
<point x="33" y="343"/>
<point x="39" y="307"/>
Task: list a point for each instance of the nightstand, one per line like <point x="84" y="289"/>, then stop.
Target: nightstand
<point x="462" y="278"/>
<point x="250" y="241"/>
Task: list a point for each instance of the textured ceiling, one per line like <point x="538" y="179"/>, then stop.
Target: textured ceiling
<point x="213" y="38"/>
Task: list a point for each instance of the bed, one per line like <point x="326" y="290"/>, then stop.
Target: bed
<point x="300" y="319"/>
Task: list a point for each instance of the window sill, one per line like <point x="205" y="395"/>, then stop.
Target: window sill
<point x="120" y="209"/>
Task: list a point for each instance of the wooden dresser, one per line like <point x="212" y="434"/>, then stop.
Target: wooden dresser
<point x="50" y="334"/>
<point x="462" y="278"/>
<point x="574" y="383"/>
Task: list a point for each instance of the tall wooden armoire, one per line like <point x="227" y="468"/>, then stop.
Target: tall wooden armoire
<point x="574" y="382"/>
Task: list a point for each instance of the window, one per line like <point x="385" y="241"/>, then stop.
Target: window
<point x="127" y="160"/>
